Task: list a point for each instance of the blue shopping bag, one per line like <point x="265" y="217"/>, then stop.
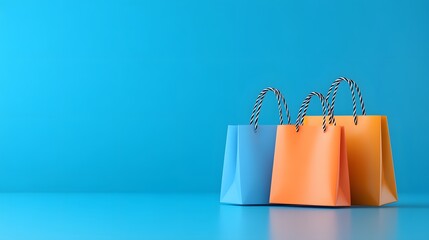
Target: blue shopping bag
<point x="249" y="154"/>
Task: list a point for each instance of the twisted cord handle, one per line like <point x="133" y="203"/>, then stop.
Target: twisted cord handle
<point x="352" y="85"/>
<point x="304" y="107"/>
<point x="254" y="118"/>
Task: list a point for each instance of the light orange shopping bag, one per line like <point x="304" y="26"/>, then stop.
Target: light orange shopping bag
<point x="310" y="163"/>
<point x="372" y="178"/>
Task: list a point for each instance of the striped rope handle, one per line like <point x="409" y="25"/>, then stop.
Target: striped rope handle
<point x="258" y="104"/>
<point x="283" y="100"/>
<point x="352" y="85"/>
<point x="254" y="118"/>
<point x="304" y="107"/>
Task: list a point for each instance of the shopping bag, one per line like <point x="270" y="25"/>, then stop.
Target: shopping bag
<point x="249" y="156"/>
<point x="372" y="177"/>
<point x="310" y="163"/>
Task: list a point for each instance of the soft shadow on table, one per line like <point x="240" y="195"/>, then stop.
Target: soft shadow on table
<point x="343" y="223"/>
<point x="289" y="222"/>
<point x="244" y="222"/>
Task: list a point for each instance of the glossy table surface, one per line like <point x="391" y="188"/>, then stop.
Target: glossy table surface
<point x="200" y="216"/>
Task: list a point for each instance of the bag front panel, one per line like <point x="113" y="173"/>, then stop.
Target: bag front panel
<point x="256" y="155"/>
<point x="306" y="165"/>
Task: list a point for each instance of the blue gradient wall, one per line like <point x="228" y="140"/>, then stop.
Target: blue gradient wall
<point x="137" y="95"/>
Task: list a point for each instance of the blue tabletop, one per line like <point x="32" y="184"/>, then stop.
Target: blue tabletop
<point x="200" y="216"/>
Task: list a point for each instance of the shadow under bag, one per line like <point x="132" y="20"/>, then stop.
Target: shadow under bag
<point x="372" y="177"/>
<point x="249" y="153"/>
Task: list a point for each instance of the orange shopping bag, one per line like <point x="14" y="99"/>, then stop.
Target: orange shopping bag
<point x="310" y="163"/>
<point x="372" y="177"/>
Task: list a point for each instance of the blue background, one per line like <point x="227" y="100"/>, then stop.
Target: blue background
<point x="137" y="95"/>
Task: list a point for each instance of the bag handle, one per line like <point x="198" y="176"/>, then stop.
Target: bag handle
<point x="352" y="85"/>
<point x="304" y="107"/>
<point x="254" y="118"/>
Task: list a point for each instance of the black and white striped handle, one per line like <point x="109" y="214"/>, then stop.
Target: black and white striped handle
<point x="254" y="118"/>
<point x="304" y="107"/>
<point x="353" y="86"/>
